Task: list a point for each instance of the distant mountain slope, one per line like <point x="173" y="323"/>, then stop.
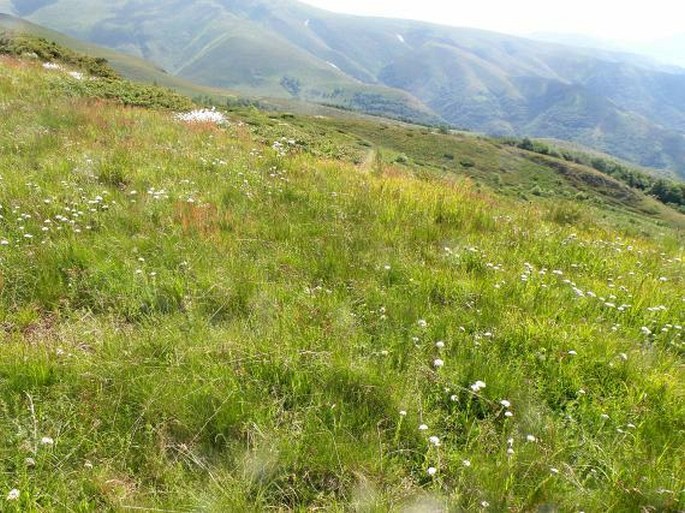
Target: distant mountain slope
<point x="259" y="63"/>
<point x="131" y="67"/>
<point x="615" y="102"/>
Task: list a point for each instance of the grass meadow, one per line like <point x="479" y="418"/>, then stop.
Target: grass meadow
<point x="194" y="318"/>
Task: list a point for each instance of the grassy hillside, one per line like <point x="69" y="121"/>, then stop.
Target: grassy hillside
<point x="259" y="65"/>
<point x="280" y="314"/>
<point x="614" y="102"/>
<point x="131" y="67"/>
<point x="492" y="164"/>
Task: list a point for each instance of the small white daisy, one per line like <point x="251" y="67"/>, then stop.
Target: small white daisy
<point x="478" y="385"/>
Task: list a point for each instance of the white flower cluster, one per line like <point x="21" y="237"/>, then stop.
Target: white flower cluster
<point x="282" y="146"/>
<point x="52" y="66"/>
<point x="202" y="116"/>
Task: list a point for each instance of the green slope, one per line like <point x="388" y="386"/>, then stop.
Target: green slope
<point x="129" y="66"/>
<point x="195" y="318"/>
<point x="348" y="94"/>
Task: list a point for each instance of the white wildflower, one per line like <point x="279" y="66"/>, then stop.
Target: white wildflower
<point x="13" y="495"/>
<point x="437" y="363"/>
<point x="554" y="470"/>
<point x="439" y="344"/>
<point x="466" y="463"/>
<point x="531" y="438"/>
<point x="646" y="331"/>
<point x="46" y="440"/>
<point x="434" y="440"/>
<point x="478" y="386"/>
<point x="422" y="323"/>
<point x="202" y="116"/>
<point x="403" y="413"/>
<point x="505" y="403"/>
<point x="508" y="414"/>
<point x="432" y="471"/>
<point x="423" y="427"/>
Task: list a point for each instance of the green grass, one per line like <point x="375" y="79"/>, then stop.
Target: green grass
<point x="208" y="324"/>
<point x="128" y="66"/>
<point x="492" y="164"/>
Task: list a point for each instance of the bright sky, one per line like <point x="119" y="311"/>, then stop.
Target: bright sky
<point x="617" y="20"/>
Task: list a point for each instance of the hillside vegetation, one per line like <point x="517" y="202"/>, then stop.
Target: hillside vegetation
<point x="494" y="83"/>
<point x="293" y="314"/>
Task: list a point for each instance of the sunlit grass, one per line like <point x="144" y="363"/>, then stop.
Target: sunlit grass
<point x="200" y="321"/>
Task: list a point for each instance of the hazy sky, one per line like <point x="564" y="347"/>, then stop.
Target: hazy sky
<point x="624" y="20"/>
